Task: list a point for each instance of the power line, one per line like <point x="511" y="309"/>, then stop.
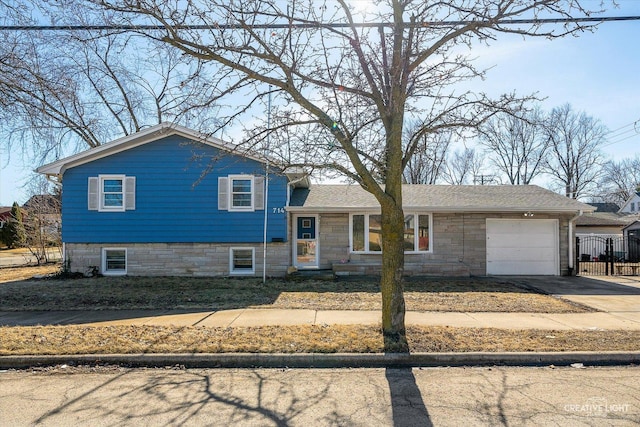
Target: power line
<point x="619" y="137"/>
<point x="620" y="140"/>
<point x="274" y="26"/>
<point x="620" y="128"/>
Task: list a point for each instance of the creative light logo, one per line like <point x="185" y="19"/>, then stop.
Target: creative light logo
<point x="596" y="407"/>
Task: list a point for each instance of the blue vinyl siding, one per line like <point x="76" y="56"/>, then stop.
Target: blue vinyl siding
<point x="175" y="202"/>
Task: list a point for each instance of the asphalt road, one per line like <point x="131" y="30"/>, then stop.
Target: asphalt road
<point x="24" y="257"/>
<point x="112" y="396"/>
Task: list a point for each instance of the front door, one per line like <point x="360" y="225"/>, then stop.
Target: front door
<point x="306" y="242"/>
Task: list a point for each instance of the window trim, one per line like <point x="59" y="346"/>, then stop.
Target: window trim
<point x="101" y="193"/>
<point x="242" y="272"/>
<point x="366" y="233"/>
<point x="105" y="271"/>
<point x="249" y="178"/>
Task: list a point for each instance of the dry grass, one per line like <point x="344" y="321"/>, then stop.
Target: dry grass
<point x="223" y="293"/>
<point x="41" y="340"/>
<point x="482" y="300"/>
<point x="457" y="295"/>
<point x="11" y="274"/>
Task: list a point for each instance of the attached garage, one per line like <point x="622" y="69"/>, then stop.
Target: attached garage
<point x="522" y="247"/>
<point x="450" y="230"/>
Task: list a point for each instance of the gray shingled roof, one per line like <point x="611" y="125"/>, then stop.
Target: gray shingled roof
<point x="443" y="198"/>
<point x="605" y="207"/>
<point x="607" y="219"/>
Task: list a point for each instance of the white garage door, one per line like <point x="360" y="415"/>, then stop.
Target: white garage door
<point x="522" y="247"/>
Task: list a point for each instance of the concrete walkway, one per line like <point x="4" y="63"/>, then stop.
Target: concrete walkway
<point x="617" y="299"/>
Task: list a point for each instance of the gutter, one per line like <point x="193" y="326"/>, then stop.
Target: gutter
<point x="290" y="185"/>
<point x="446" y="209"/>
<point x="333" y="360"/>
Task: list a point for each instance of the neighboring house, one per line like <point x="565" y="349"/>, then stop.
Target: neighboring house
<point x="42" y="221"/>
<point x="605" y="206"/>
<point x="606" y="224"/>
<point x="168" y="201"/>
<point x="5" y="214"/>
<point x="45" y="203"/>
<point x="44" y="208"/>
<point x="632" y="205"/>
<point x="602" y="224"/>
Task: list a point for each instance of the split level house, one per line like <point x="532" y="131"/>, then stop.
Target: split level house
<point x="169" y="201"/>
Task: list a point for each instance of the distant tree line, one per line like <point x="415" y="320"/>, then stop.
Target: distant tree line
<point x="561" y="148"/>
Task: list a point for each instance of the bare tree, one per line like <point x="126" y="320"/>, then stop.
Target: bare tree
<point x="464" y="167"/>
<point x="516" y="145"/>
<point x="620" y="180"/>
<point x="42" y="221"/>
<point x="575" y="160"/>
<point x="69" y="90"/>
<point x="428" y="164"/>
<point x="344" y="91"/>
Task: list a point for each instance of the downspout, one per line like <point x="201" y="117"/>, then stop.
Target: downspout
<point x="266" y="194"/>
<point x="57" y="181"/>
<point x="571" y="256"/>
<point x="289" y="191"/>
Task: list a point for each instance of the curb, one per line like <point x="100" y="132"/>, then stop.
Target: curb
<point x="334" y="360"/>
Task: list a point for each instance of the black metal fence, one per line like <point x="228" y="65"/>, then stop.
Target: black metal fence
<point x="607" y="256"/>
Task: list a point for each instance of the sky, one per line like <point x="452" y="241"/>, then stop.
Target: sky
<point x="598" y="73"/>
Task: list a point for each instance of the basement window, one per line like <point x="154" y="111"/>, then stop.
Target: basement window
<point x="242" y="261"/>
<point x="114" y="261"/>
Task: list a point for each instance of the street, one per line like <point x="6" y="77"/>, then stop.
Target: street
<point x="22" y="257"/>
<point x="109" y="396"/>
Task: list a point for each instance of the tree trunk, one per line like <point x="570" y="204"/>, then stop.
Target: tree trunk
<point x="391" y="285"/>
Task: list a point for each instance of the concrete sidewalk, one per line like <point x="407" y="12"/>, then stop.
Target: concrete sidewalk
<point x="617" y="299"/>
<point x="268" y="317"/>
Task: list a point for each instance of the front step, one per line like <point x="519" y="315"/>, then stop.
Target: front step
<point x="428" y="268"/>
<point x="316" y="274"/>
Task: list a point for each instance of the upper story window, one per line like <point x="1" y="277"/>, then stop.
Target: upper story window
<point x="633" y="207"/>
<point x="366" y="233"/>
<point x="241" y="193"/>
<point x="112" y="193"/>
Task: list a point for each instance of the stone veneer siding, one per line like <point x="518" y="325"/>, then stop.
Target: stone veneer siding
<point x="459" y="245"/>
<point x="178" y="259"/>
<point x="459" y="250"/>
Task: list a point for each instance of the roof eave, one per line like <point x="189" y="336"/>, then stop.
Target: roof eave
<point x="134" y="140"/>
<point x="467" y="209"/>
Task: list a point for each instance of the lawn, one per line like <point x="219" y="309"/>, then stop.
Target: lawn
<point x="46" y="340"/>
<point x="452" y="295"/>
<point x="17" y="292"/>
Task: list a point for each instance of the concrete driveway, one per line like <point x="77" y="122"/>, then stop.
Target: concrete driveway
<point x="606" y="293"/>
<point x="618" y="296"/>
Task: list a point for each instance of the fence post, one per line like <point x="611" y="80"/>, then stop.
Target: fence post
<point x="577" y="256"/>
<point x="611" y="260"/>
<point x="607" y="255"/>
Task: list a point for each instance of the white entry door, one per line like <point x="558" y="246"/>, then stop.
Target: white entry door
<point x="306" y="242"/>
<point x="522" y="247"/>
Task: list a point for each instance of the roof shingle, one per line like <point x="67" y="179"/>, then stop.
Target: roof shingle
<point x="452" y="198"/>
